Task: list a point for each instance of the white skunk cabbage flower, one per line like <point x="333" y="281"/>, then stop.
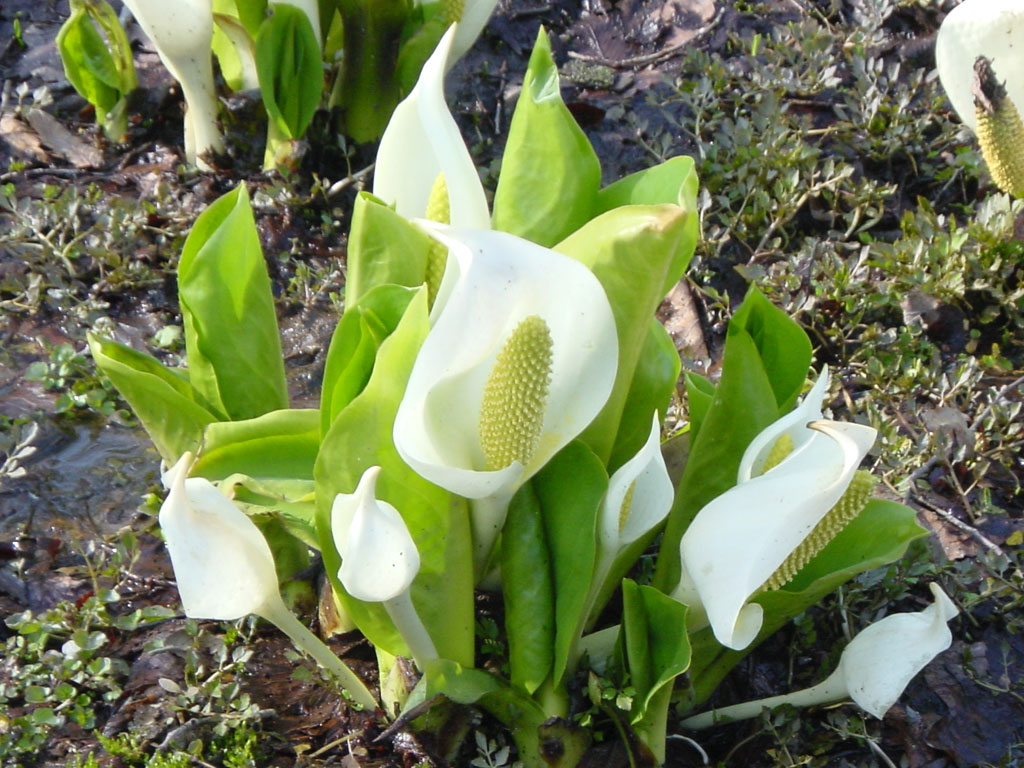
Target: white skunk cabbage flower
<point x="739" y="541"/>
<point x="520" y="360"/>
<point x="472" y="18"/>
<point x="990" y="28"/>
<point x="639" y="497"/>
<point x="182" y="32"/>
<point x="421" y="145"/>
<point x="379" y="559"/>
<point x="225" y="570"/>
<point x="222" y="563"/>
<point x="874" y="669"/>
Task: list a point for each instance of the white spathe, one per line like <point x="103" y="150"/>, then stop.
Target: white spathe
<point x="379" y="557"/>
<point x="221" y="561"/>
<point x="990" y="28"/>
<point x="649" y="503"/>
<point x="498" y="280"/>
<point x="475" y="15"/>
<point x="422" y="142"/>
<point x="739" y="539"/>
<point x="182" y="32"/>
<point x="874" y="669"/>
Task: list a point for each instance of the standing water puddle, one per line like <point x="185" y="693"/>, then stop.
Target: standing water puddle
<point x="83" y="480"/>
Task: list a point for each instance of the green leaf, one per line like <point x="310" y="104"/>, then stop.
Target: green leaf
<point x="784" y="346"/>
<point x="231" y="337"/>
<point x="570" y="489"/>
<point x="289" y="69"/>
<point x="654" y="383"/>
<point x="88" y="64"/>
<point x="656" y="645"/>
<point x="550" y="175"/>
<point x="526" y="582"/>
<point x="361" y="437"/>
<point x="291" y="501"/>
<point x="383" y="248"/>
<point x="877" y="536"/>
<point x="354" y="346"/>
<point x="634" y="251"/>
<point x="700" y="393"/>
<point x="172" y="413"/>
<point x="673" y="181"/>
<point x="764" y="353"/>
<point x="521" y="714"/>
<point x="281" y="444"/>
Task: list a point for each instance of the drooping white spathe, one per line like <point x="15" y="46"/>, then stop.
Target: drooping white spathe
<point x="379" y="557"/>
<point x="498" y="281"/>
<point x="990" y="28"/>
<point x="874" y="669"/>
<point x="222" y="563"/>
<point x="420" y="143"/>
<point x="638" y="498"/>
<point x="379" y="560"/>
<point x="225" y="570"/>
<point x="739" y="539"/>
<point x="649" y="502"/>
<point x="475" y="15"/>
<point x="182" y="33"/>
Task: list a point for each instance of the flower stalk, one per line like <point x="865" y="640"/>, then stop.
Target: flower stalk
<point x="873" y="670"/>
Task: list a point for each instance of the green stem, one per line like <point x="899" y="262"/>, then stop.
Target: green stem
<point x="411" y="628"/>
<point x="833" y="688"/>
<point x="279" y="147"/>
<point x="367" y="87"/>
<point x="554" y="700"/>
<point x="652" y="726"/>
<point x="487" y="519"/>
<point x="278" y="615"/>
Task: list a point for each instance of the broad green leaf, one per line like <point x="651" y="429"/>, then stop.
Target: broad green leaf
<point x="634" y="251"/>
<point x="279" y="444"/>
<point x="361" y="437"/>
<point x="656" y="645"/>
<point x="354" y="347"/>
<point x="231" y="337"/>
<point x="550" y="175"/>
<point x="88" y="64"/>
<point x="383" y="248"/>
<point x="289" y="68"/>
<point x="163" y="400"/>
<point x="526" y="582"/>
<point x="744" y="403"/>
<point x="877" y="536"/>
<point x="570" y="489"/>
<point x="654" y="383"/>
<point x="673" y="181"/>
<point x="291" y="501"/>
<point x="420" y="44"/>
<point x="784" y="346"/>
<point x="118" y="46"/>
<point x="700" y="393"/>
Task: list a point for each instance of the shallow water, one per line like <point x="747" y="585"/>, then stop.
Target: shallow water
<point x="83" y="480"/>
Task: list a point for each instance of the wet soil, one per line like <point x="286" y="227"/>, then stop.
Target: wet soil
<point x="87" y="477"/>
